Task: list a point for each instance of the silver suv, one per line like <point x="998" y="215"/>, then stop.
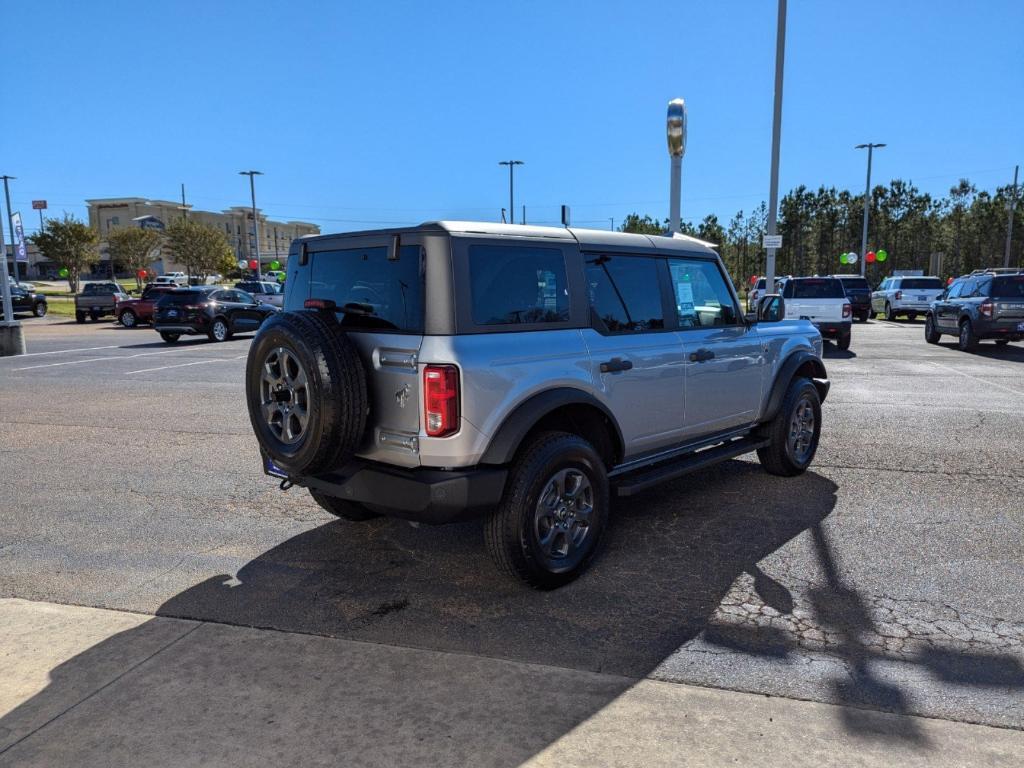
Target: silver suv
<point x="528" y="374"/>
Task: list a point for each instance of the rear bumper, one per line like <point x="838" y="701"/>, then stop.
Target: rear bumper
<point x="422" y="495"/>
<point x="830" y="330"/>
<point x="999" y="329"/>
<point x="177" y="328"/>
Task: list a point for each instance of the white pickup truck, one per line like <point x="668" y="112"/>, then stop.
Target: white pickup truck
<point x="905" y="296"/>
<point x="823" y="301"/>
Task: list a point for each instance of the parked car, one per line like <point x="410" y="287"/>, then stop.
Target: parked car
<point x="274" y="275"/>
<point x="217" y="312"/>
<point x="859" y="293"/>
<point x="271" y="293"/>
<point x="758" y="291"/>
<point x="24" y="301"/>
<point x="979" y="306"/>
<point x="524" y="373"/>
<point x="908" y="296"/>
<point x="178" y="279"/>
<point x="98" y="300"/>
<point x="823" y="301"/>
<point x="130" y="312"/>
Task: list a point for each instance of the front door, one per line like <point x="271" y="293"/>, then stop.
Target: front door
<point x="723" y="356"/>
<point x="636" y="361"/>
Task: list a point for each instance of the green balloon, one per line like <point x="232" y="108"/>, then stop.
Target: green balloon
<point x="63" y="272"/>
<point x="280" y="278"/>
<point x="275" y="265"/>
<point x="881" y="255"/>
<point x="843" y="258"/>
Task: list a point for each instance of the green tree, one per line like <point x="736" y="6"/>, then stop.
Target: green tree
<point x="69" y="243"/>
<point x="643" y="226"/>
<point x="201" y="249"/>
<point x="132" y="247"/>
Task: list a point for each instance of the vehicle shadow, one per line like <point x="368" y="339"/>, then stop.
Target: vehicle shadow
<point x="831" y="351"/>
<point x="672" y="557"/>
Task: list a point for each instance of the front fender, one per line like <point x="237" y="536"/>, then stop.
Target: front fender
<point x="797" y="360"/>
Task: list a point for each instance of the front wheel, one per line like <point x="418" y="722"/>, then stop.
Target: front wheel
<point x="794" y="432"/>
<point x="548" y="526"/>
<point x="128" y="319"/>
<point x="968" y="342"/>
<point x="39" y="310"/>
<point x="170" y="338"/>
<point x="219" y="331"/>
<point x="931" y="333"/>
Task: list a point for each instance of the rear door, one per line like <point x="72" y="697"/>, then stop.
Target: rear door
<point x="947" y="310"/>
<point x="385" y="299"/>
<point x="722" y="356"/>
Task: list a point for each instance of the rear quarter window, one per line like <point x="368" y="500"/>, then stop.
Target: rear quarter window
<point x="518" y="285"/>
<point x="1008" y="287"/>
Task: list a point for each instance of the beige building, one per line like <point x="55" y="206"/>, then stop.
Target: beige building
<point x="235" y="222"/>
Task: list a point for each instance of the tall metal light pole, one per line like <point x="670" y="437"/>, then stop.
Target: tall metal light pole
<point x="867" y="208"/>
<point x="676" y="128"/>
<point x="773" y="194"/>
<point x="12" y="337"/>
<point x="511" y="197"/>
<point x="10" y="226"/>
<point x="1011" y="206"/>
<point x="255" y="221"/>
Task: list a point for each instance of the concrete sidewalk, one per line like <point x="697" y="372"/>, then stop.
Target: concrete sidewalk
<point x="90" y="687"/>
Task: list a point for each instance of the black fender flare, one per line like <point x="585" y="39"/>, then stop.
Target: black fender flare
<point x="506" y="440"/>
<point x="785" y="375"/>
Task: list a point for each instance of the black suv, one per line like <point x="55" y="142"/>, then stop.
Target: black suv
<point x="859" y="293"/>
<point x="979" y="306"/>
<point x="26" y="301"/>
<point x="217" y="312"/>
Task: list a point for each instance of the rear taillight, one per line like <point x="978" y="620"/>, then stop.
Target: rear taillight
<point x="847" y="311"/>
<point x="986" y="308"/>
<point x="441" y="399"/>
<point x="899" y="295"/>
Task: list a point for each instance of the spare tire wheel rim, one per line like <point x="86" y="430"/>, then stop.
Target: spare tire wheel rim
<point x="284" y="396"/>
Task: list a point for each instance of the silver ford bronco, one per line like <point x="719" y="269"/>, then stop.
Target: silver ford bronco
<point x="528" y="374"/>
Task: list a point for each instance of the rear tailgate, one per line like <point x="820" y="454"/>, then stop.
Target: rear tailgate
<point x="816" y="310"/>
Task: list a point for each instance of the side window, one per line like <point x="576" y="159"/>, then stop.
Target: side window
<point x="517" y="285"/>
<point x="702" y="296"/>
<point x="221" y="296"/>
<point x="625" y="293"/>
<point x="787" y="291"/>
<point x="885" y="284"/>
<point x="982" y="288"/>
<point x="955" y="289"/>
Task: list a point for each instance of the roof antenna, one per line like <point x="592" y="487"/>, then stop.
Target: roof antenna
<point x="503" y="216"/>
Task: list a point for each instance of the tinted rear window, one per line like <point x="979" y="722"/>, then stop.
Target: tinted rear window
<point x="911" y="283"/>
<point x="517" y="285"/>
<point x="1008" y="287"/>
<point x="855" y="282"/>
<point x="814" y="288"/>
<point x="182" y="297"/>
<point x="381" y="294"/>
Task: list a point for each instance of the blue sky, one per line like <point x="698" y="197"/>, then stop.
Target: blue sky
<point x="372" y="114"/>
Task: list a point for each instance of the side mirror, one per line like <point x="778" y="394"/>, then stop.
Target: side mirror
<point x="771" y="308"/>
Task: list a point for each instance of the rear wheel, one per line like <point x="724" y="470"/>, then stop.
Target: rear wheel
<point x="931" y="333"/>
<point x="79" y="316"/>
<point x="549" y="524"/>
<point x="347" y="510"/>
<point x="843" y="341"/>
<point x="968" y="342"/>
<point x="1002" y="342"/>
<point x="863" y="317"/>
<point x="39" y="309"/>
<point x="94" y="316"/>
<point x="170" y="338"/>
<point x="128" y="319"/>
<point x="794" y="431"/>
<point x="889" y="314"/>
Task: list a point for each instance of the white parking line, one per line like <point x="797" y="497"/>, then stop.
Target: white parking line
<point x="98" y="359"/>
<point x="184" y="365"/>
<point x="977" y="378"/>
<point x="63" y="351"/>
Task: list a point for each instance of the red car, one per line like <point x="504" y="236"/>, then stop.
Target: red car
<point x="131" y="312"/>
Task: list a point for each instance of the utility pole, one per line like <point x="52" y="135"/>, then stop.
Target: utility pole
<point x="773" y="195"/>
<point x="255" y="221"/>
<point x="184" y="207"/>
<point x="867" y="208"/>
<point x="1011" y="207"/>
<point x="511" y="188"/>
<point x="676" y="130"/>
<point x="12" y="337"/>
<point x="612" y="220"/>
<point x="10" y="225"/>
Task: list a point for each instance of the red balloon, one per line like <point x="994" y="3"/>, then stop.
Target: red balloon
<point x="142" y="273"/>
<point x="253" y="264"/>
<point x="949" y="281"/>
<point x="870" y="258"/>
<point x="753" y="279"/>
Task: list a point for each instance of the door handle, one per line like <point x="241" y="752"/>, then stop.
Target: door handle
<point x="701" y="355"/>
<point x="615" y="365"/>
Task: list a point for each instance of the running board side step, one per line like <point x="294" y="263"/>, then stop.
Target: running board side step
<point x="635" y="482"/>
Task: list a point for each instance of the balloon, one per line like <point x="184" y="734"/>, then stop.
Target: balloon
<point x="275" y="265"/>
<point x="280" y="278"/>
<point x="949" y="281"/>
<point x="242" y="264"/>
<point x="253" y="264"/>
<point x="882" y="255"/>
<point x="851" y="258"/>
<point x="753" y="279"/>
<point x="870" y="257"/>
<point x="843" y="258"/>
<point x="141" y="273"/>
<point x="63" y="272"/>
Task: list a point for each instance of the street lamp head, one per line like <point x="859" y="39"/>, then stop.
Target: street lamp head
<point x="869" y="146"/>
<point x="676" y="128"/>
<point x="250" y="173"/>
<point x="511" y="162"/>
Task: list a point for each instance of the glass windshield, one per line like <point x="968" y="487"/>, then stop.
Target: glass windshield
<point x="912" y="283"/>
<point x="182" y="297"/>
<point x="1008" y="287"/>
<point x="815" y="288"/>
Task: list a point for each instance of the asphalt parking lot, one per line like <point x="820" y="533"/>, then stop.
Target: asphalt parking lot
<point x="887" y="578"/>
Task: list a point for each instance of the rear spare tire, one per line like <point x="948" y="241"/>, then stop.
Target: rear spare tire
<point x="306" y="391"/>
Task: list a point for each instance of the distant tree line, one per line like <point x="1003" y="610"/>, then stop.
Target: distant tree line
<point x="968" y="227"/>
